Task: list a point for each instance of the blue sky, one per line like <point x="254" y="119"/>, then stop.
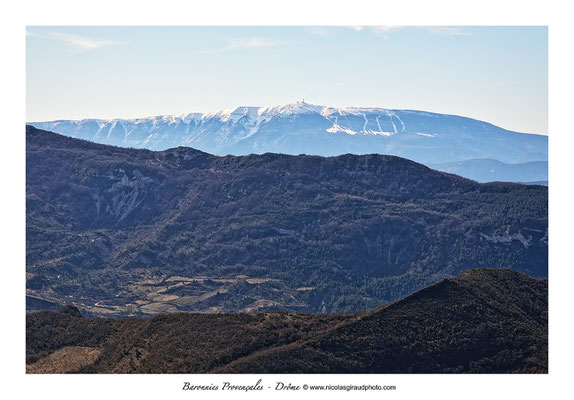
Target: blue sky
<point x="496" y="74"/>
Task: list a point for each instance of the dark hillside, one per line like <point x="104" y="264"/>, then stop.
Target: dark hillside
<point x="125" y="232"/>
<point x="483" y="321"/>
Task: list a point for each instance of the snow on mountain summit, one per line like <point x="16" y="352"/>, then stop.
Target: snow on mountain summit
<point x="301" y="127"/>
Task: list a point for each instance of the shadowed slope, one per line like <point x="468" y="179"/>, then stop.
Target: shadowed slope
<point x="481" y="321"/>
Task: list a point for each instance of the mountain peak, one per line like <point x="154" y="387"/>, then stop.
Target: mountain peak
<point x="304" y="128"/>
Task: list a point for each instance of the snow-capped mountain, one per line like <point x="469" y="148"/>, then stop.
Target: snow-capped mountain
<point x="302" y="128"/>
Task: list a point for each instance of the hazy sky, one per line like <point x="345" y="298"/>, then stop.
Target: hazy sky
<point x="496" y="74"/>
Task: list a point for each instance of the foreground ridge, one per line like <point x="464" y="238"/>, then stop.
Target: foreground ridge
<point x="482" y="321"/>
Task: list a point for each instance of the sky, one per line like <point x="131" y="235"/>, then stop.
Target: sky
<point x="495" y="74"/>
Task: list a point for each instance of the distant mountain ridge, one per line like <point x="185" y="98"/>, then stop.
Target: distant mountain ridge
<point x="488" y="170"/>
<point x="303" y="128"/>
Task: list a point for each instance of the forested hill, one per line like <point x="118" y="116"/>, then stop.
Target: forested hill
<point x="483" y="321"/>
<point x="123" y="232"/>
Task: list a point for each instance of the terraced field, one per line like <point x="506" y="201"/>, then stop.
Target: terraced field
<point x="171" y="294"/>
